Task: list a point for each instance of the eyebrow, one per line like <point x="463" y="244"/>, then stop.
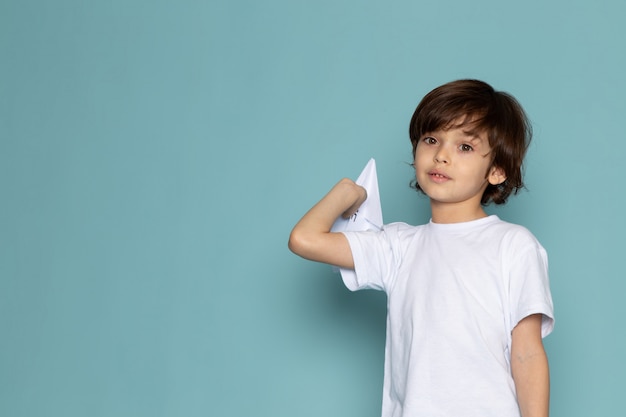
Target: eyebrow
<point x="472" y="135"/>
<point x="470" y="132"/>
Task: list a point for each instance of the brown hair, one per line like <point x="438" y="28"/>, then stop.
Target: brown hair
<point x="476" y="103"/>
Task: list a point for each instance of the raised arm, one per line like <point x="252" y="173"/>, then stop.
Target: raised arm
<point x="311" y="237"/>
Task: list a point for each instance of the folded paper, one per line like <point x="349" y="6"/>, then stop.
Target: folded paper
<point x="369" y="217"/>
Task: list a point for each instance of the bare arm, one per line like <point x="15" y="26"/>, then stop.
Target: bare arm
<point x="311" y="237"/>
<point x="529" y="365"/>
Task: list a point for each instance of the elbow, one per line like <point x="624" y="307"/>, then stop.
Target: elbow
<point x="297" y="242"/>
<point x="292" y="244"/>
<point x="305" y="243"/>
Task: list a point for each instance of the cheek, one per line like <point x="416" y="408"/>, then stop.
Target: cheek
<point x="416" y="164"/>
<point x="420" y="158"/>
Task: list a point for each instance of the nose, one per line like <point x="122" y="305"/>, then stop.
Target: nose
<point x="441" y="156"/>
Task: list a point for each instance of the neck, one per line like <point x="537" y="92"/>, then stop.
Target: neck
<point x="454" y="213"/>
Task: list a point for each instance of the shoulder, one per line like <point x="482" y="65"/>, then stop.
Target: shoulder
<point x="402" y="231"/>
<point x="517" y="242"/>
<point x="512" y="232"/>
<point x="392" y="236"/>
<point x="400" y="227"/>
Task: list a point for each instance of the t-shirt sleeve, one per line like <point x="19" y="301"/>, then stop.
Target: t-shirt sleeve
<point x="374" y="259"/>
<point x="530" y="287"/>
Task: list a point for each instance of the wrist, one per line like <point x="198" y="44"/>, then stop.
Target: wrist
<point x="350" y="196"/>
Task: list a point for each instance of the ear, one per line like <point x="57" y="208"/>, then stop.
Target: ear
<point x="496" y="176"/>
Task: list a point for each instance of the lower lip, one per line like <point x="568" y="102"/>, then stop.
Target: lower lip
<point x="438" y="178"/>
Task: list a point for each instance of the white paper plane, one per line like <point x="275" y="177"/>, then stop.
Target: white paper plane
<point x="370" y="215"/>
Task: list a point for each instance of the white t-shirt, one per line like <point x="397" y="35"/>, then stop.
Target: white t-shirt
<point x="455" y="292"/>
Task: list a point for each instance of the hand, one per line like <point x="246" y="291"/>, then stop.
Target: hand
<point x="361" y="197"/>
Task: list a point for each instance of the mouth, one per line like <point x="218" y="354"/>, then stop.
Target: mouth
<point x="438" y="176"/>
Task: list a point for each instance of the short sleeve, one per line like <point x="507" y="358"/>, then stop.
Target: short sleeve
<point x="530" y="287"/>
<point x="374" y="259"/>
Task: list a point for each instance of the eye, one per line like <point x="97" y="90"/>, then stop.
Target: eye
<point x="429" y="140"/>
<point x="466" y="148"/>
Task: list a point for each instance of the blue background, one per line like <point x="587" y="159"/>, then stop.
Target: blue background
<point x="154" y="156"/>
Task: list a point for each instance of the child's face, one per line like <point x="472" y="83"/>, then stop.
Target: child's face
<point x="453" y="167"/>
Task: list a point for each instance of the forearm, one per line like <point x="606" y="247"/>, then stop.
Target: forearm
<point x="310" y="238"/>
<point x="532" y="382"/>
<point x="343" y="199"/>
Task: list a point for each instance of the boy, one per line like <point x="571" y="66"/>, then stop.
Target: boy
<point x="468" y="299"/>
